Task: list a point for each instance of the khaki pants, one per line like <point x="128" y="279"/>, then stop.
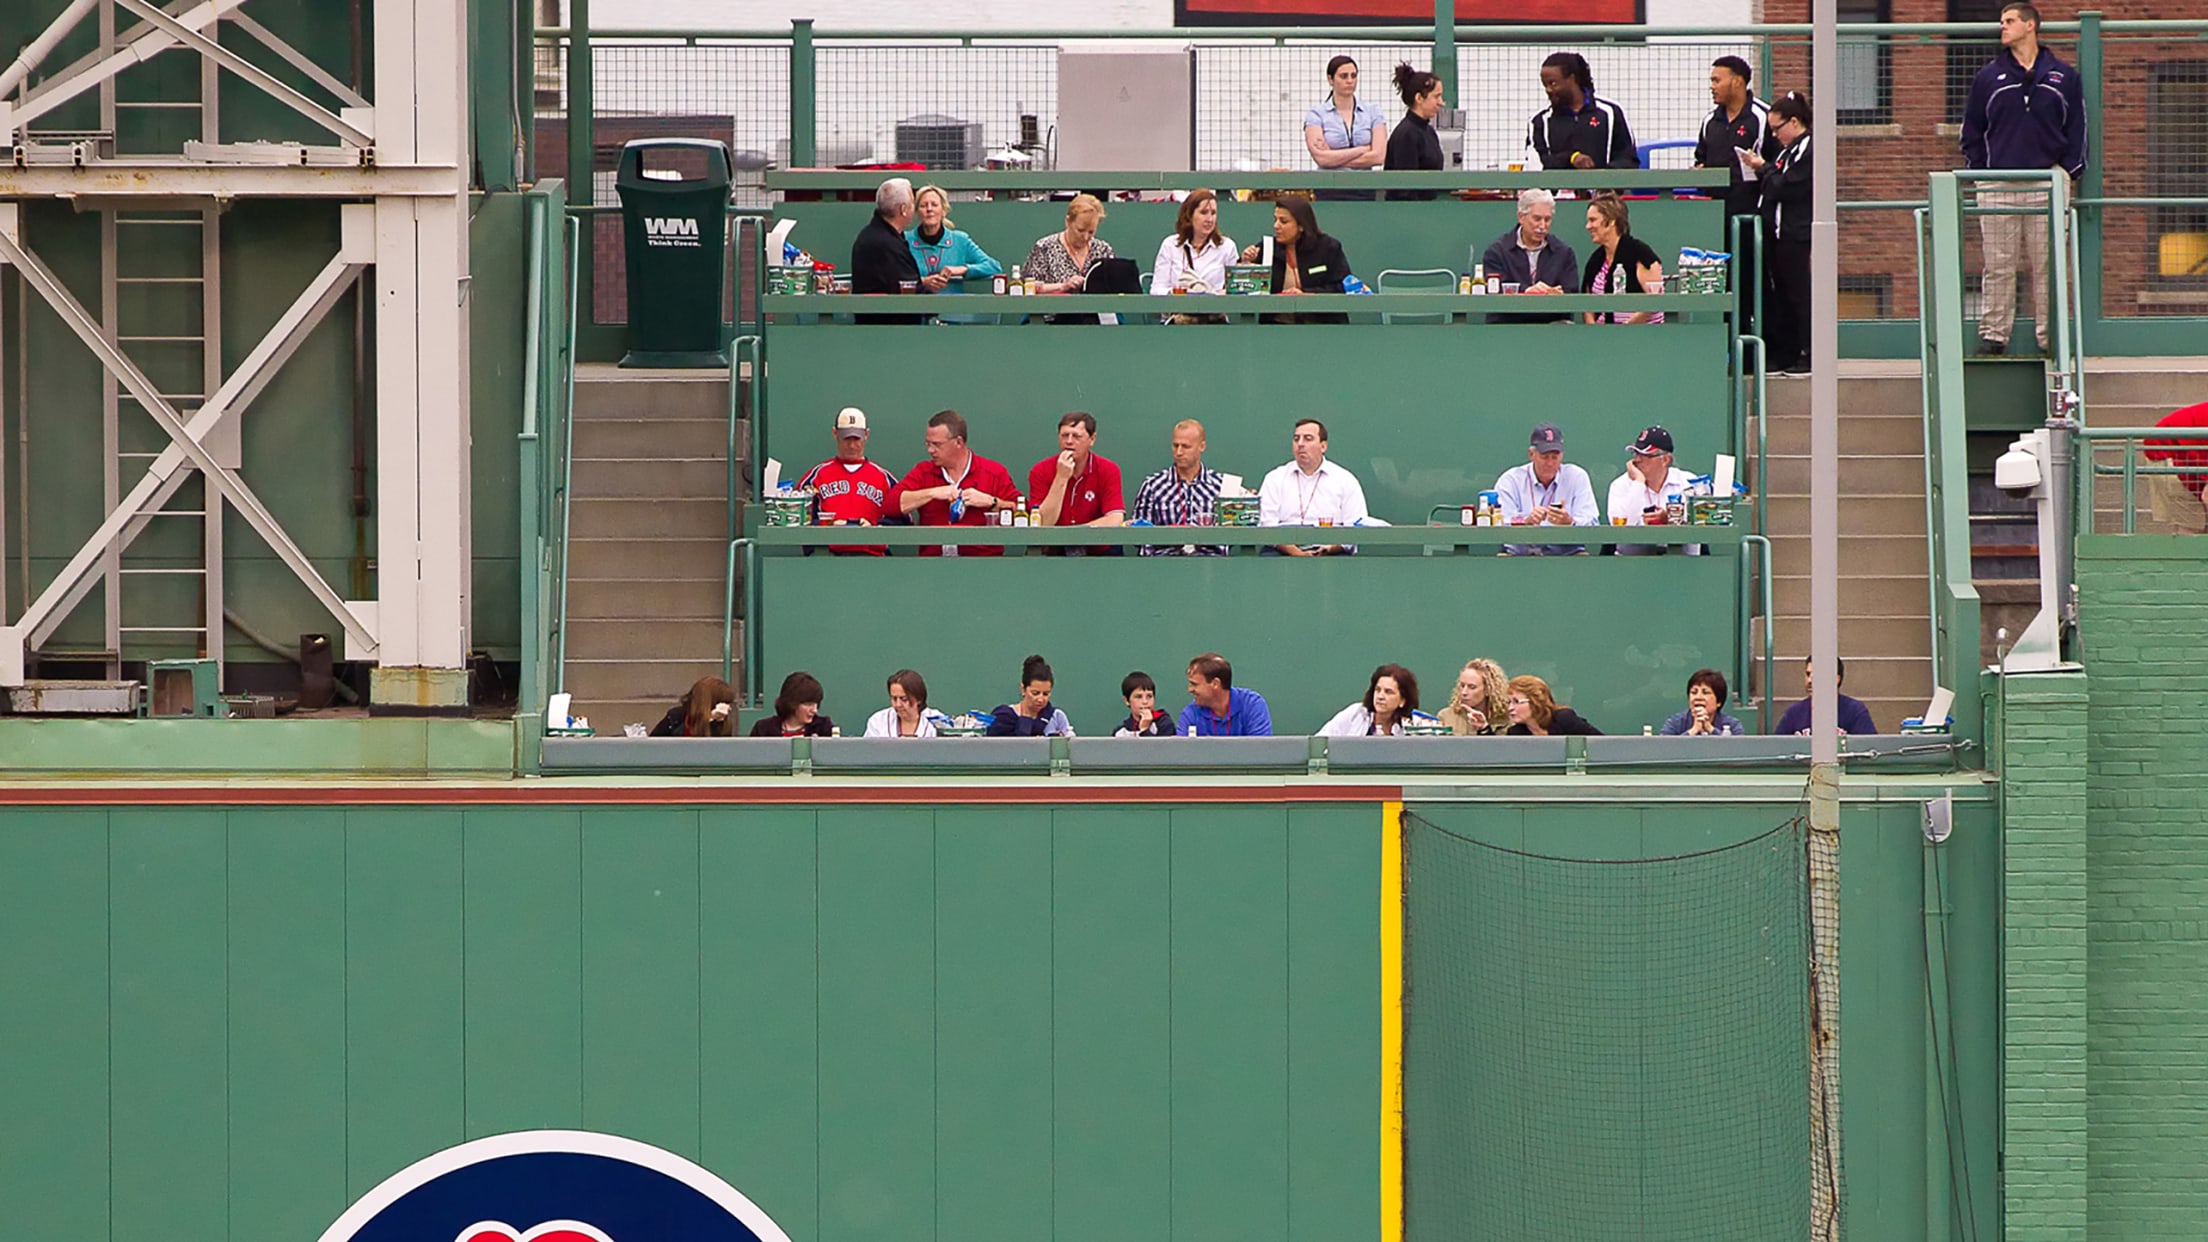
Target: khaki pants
<point x="2011" y="242"/>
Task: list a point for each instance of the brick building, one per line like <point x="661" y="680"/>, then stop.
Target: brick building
<point x="1901" y="105"/>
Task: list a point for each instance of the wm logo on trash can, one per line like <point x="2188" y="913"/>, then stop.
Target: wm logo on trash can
<point x="670" y="231"/>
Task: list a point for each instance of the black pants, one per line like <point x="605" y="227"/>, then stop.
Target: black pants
<point x="1744" y="260"/>
<point x="1786" y="301"/>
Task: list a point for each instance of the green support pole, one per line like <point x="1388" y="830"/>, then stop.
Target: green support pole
<point x="2090" y="219"/>
<point x="581" y="107"/>
<point x="801" y="92"/>
<point x="1445" y="49"/>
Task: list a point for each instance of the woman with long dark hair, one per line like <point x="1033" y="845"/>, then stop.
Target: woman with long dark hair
<point x="1195" y="258"/>
<point x="1305" y="260"/>
<point x="708" y="709"/>
<point x="1390" y="698"/>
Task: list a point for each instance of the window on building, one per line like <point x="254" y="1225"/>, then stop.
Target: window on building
<point x="1966" y="56"/>
<point x="1866" y="296"/>
<point x="2177" y="167"/>
<point x="1865" y="68"/>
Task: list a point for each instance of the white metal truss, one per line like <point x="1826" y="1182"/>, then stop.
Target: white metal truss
<point x="399" y="160"/>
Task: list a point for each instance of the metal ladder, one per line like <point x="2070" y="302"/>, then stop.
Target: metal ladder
<point x="161" y="304"/>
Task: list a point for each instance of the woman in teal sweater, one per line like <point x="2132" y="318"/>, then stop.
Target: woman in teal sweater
<point x="947" y="257"/>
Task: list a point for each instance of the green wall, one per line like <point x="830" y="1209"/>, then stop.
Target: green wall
<point x="1421" y="414"/>
<point x="2144" y="616"/>
<point x="880" y="1022"/>
<point x="1304" y="633"/>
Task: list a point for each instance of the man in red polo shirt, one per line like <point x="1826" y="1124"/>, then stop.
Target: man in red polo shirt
<point x="2184" y="454"/>
<point x="955" y="486"/>
<point x="849" y="490"/>
<point x="1077" y="487"/>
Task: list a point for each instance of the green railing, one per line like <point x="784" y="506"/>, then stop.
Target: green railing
<point x="2131" y="441"/>
<point x="544" y="457"/>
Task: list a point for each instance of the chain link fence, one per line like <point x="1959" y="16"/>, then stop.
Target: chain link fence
<point x="1901" y="102"/>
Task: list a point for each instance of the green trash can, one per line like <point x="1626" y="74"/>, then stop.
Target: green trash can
<point x="674" y="192"/>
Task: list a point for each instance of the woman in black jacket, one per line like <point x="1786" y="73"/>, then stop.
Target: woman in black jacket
<point x="1621" y="262"/>
<point x="1534" y="713"/>
<point x="1414" y="146"/>
<point x="1305" y="260"/>
<point x="1785" y="195"/>
<point x="797" y="710"/>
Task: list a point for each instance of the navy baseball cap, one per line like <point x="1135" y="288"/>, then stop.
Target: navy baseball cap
<point x="1547" y="439"/>
<point x="1653" y="440"/>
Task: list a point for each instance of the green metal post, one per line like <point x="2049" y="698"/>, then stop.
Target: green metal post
<point x="2091" y="67"/>
<point x="801" y="92"/>
<point x="1445" y="49"/>
<point x="581" y="107"/>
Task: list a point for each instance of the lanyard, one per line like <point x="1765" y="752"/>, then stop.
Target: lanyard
<point x="1303" y="507"/>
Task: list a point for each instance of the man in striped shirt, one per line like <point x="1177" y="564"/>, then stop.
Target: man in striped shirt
<point x="1183" y="495"/>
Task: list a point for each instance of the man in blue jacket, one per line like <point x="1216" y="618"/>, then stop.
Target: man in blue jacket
<point x="2027" y="110"/>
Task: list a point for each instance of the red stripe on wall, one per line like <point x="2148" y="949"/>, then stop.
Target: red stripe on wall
<point x="592" y="795"/>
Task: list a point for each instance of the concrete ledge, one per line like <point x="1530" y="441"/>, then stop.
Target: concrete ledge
<point x="414" y="747"/>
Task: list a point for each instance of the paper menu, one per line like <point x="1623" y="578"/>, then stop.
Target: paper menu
<point x="1747" y="173"/>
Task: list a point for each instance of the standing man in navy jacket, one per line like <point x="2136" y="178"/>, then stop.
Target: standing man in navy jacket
<point x="2027" y="110"/>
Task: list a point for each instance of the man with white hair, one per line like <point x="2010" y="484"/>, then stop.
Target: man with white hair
<point x="1532" y="257"/>
<point x="881" y="262"/>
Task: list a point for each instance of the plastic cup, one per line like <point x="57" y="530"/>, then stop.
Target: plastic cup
<point x="1510" y="286"/>
<point x="908" y="286"/>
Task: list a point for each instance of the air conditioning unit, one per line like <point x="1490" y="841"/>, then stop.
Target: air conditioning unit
<point x="939" y="142"/>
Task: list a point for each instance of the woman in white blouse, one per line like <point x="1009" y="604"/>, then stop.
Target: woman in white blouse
<point x="1195" y="258"/>
<point x="907" y="714"/>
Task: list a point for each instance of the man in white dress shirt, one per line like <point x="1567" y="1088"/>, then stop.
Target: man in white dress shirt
<point x="1311" y="491"/>
<point x="1546" y="491"/>
<point x="1637" y="496"/>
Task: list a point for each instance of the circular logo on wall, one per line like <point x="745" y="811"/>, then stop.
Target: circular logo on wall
<point x="554" y="1186"/>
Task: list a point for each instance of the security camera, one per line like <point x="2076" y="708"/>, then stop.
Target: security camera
<point x="2017" y="472"/>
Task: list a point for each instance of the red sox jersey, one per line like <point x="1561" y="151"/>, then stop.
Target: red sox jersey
<point x="850" y="492"/>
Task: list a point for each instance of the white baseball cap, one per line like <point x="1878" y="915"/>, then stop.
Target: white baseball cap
<point x="851" y="422"/>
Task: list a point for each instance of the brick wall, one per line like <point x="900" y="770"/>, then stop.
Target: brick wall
<point x="2144" y="601"/>
<point x="2043" y="763"/>
<point x="1888" y="161"/>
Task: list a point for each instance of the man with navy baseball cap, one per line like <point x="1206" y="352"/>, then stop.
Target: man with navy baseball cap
<point x="1546" y="491"/>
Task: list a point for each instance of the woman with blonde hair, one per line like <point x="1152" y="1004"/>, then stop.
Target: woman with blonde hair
<point x="1060" y="262"/>
<point x="1479" y="707"/>
<point x="708" y="710"/>
<point x="1534" y="713"/>
<point x="946" y="255"/>
<point x="1195" y="258"/>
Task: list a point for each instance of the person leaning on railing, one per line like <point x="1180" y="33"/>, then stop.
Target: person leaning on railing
<point x="1621" y="262"/>
<point x="1390" y="697"/>
<point x="1032" y="715"/>
<point x="1414" y="146"/>
<point x="1195" y="258"/>
<point x="1219" y="708"/>
<point x="707" y="710"/>
<point x="1305" y="260"/>
<point x="1480" y="706"/>
<point x="1077" y="486"/>
<point x="955" y="486"/>
<point x="1535" y="713"/>
<point x="946" y="255"/>
<point x="1638" y="494"/>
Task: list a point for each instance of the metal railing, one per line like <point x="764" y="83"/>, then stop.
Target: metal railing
<point x="545" y="455"/>
<point x="2133" y="441"/>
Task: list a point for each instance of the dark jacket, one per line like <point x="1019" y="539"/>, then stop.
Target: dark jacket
<point x="880" y="258"/>
<point x="1413" y="146"/>
<point x="1786" y="191"/>
<point x="2017" y="119"/>
<point x="1633" y="255"/>
<point x="1323" y="266"/>
<point x="1598" y="131"/>
<point x="1558" y="266"/>
<point x="1721" y="136"/>
<point x="1852" y="716"/>
<point x="670" y="725"/>
<point x="772" y="727"/>
<point x="1565" y="723"/>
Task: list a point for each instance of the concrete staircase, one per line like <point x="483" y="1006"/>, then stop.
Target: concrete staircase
<point x="1885" y="618"/>
<point x="647" y="540"/>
